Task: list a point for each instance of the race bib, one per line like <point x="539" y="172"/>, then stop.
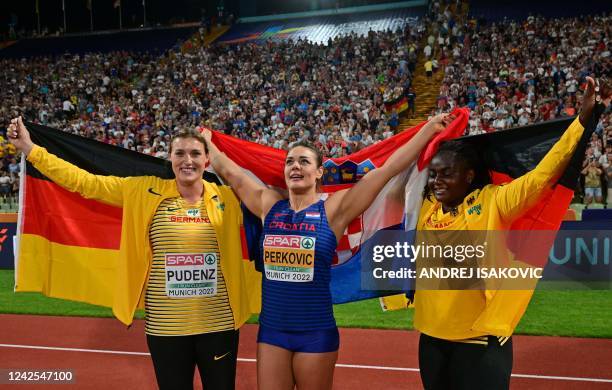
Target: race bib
<point x="289" y="258"/>
<point x="190" y="275"/>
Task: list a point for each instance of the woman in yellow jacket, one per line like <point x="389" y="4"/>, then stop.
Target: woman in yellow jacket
<point x="466" y="334"/>
<point x="179" y="253"/>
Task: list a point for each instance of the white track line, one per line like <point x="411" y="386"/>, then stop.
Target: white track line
<point x="384" y="368"/>
<point x="74" y="349"/>
<point x="563" y="378"/>
<point x="377" y="367"/>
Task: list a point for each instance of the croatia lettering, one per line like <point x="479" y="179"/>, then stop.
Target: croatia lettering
<point x="289" y="258"/>
<point x="303" y="226"/>
<point x="191" y="275"/>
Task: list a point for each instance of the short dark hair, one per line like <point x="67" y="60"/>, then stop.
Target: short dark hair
<point x="186" y="134"/>
<point x="468" y="154"/>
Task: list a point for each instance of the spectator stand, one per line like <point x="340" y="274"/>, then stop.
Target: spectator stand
<point x="270" y="85"/>
<point x="499" y="10"/>
<point x="517" y="69"/>
<point x="441" y="21"/>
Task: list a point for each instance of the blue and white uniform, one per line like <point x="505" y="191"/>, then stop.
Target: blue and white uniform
<point x="298" y="248"/>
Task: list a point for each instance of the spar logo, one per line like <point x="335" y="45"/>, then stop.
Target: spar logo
<point x="210" y="258"/>
<point x="186" y="259"/>
<point x="307" y="243"/>
<point x="289" y="242"/>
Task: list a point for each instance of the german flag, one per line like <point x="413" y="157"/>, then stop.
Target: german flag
<point x="68" y="245"/>
<point x="512" y="153"/>
<point x="400" y="104"/>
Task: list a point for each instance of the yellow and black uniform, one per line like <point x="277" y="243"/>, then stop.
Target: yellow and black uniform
<point x="145" y="200"/>
<point x="485" y="319"/>
<point x="188" y="297"/>
<point x="458" y="362"/>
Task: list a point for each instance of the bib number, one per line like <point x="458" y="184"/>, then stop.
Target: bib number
<point x="190" y="275"/>
<point x="289" y="258"/>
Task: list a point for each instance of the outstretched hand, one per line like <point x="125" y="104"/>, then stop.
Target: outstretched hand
<point x="207" y="134"/>
<point x="604" y="91"/>
<point x="19" y="136"/>
<point x="439" y="122"/>
<point x="596" y="92"/>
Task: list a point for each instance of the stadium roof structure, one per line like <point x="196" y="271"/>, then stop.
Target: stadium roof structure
<point x="320" y="28"/>
<point x="156" y="41"/>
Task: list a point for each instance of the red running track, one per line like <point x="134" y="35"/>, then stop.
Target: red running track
<point x="367" y="357"/>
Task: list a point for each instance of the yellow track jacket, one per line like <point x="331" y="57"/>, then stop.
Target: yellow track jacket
<point x="139" y="197"/>
<point x="462" y="314"/>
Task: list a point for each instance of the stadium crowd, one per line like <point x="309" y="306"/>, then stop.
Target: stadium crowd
<point x="513" y="74"/>
<point x="510" y="74"/>
<point x="274" y="93"/>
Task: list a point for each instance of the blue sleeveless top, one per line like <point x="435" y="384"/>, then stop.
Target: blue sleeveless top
<point x="297" y="250"/>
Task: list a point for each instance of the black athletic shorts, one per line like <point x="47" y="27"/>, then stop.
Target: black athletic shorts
<point x="448" y="364"/>
<point x="175" y="358"/>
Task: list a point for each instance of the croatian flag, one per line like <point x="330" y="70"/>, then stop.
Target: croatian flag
<point x="385" y="213"/>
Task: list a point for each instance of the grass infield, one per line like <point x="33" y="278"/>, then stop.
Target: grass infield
<point x="577" y="313"/>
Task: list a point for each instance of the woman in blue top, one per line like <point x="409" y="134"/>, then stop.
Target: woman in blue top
<point x="298" y="338"/>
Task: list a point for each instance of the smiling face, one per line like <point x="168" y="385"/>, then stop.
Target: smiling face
<point x="188" y="158"/>
<point x="302" y="169"/>
<point x="449" y="178"/>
